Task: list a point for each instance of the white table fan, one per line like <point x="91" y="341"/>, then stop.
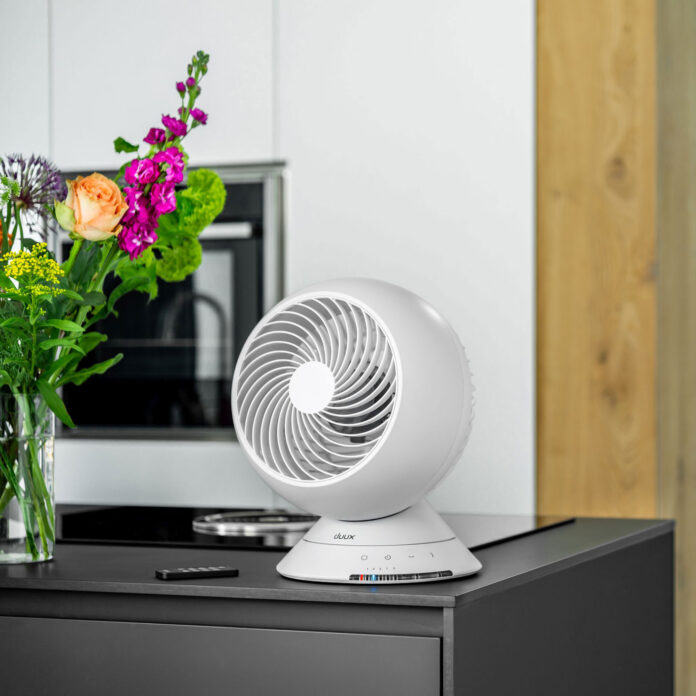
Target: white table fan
<point x="352" y="399"/>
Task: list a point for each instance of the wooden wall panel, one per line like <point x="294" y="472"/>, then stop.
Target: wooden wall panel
<point x="596" y="257"/>
<point x="676" y="239"/>
<point x="616" y="355"/>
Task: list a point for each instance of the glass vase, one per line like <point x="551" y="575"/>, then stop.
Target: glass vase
<point x="27" y="509"/>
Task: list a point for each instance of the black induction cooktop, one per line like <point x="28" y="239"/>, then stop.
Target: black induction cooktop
<point x="173" y="526"/>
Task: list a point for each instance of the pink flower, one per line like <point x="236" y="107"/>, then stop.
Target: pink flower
<point x="139" y="207"/>
<point x="174" y="159"/>
<point x="199" y="116"/>
<point x="135" y="197"/>
<point x="180" y="87"/>
<point x="154" y="136"/>
<point x="143" y="171"/>
<point x="135" y="238"/>
<point x="191" y="82"/>
<point x="176" y="127"/>
<point x="163" y="199"/>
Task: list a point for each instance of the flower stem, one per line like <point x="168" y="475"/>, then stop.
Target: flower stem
<point x="74" y="251"/>
<point x="95" y="284"/>
<point x="35" y="485"/>
<point x="7" y="233"/>
<point x="18" y="226"/>
<point x="6" y="496"/>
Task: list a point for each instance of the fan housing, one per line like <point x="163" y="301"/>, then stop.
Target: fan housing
<point x="353" y="398"/>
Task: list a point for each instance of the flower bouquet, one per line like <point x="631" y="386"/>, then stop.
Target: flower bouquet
<point x="141" y="226"/>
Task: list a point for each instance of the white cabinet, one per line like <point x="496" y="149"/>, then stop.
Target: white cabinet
<point x="115" y="65"/>
<point x="24" y="110"/>
<point x="409" y="130"/>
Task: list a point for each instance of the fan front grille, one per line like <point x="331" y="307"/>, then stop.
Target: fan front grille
<point x="316" y="443"/>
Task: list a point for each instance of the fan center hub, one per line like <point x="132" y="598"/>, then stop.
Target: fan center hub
<point x="312" y="387"/>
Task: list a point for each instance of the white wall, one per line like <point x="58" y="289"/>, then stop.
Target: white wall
<point x="408" y="127"/>
<point x="115" y="65"/>
<point x="24" y="59"/>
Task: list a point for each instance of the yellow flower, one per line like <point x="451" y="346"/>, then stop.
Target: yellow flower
<point x="34" y="270"/>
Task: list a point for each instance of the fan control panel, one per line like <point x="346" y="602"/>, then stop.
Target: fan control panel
<point x="413" y="563"/>
<point x="400" y="577"/>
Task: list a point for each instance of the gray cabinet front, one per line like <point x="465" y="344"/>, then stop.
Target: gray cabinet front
<point x="83" y="658"/>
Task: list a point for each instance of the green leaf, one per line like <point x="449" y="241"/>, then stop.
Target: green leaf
<point x="14" y="295"/>
<point x="145" y="264"/>
<point x="122" y="145"/>
<point x="63" y="325"/>
<point x="95" y="299"/>
<point x="55" y="403"/>
<point x="55" y="342"/>
<point x="91" y="299"/>
<point x="71" y="294"/>
<point x="91" y="340"/>
<point x="28" y="243"/>
<point x="86" y="265"/>
<point x="124" y="288"/>
<point x="99" y="369"/>
<point x="121" y="172"/>
<point x="65" y="216"/>
<point x="12" y="322"/>
<point x="57" y="366"/>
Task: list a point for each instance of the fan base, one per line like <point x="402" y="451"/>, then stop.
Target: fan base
<point x="415" y="545"/>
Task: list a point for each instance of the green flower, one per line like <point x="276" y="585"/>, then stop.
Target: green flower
<point x="176" y="263"/>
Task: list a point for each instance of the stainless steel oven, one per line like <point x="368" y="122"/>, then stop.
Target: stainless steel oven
<point x="180" y="349"/>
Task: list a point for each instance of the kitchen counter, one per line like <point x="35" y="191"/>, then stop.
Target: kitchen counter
<point x="585" y="607"/>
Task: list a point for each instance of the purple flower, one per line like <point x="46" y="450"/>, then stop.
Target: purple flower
<point x="139" y="207"/>
<point x="176" y="127"/>
<point x="135" y="198"/>
<point x="37" y="184"/>
<point x="163" y="198"/>
<point x="135" y="237"/>
<point x="199" y="116"/>
<point x="154" y="136"/>
<point x="174" y="159"/>
<point x="180" y="87"/>
<point x="191" y="82"/>
<point x="143" y="171"/>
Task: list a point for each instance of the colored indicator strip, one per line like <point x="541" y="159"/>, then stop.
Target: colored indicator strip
<point x="400" y="577"/>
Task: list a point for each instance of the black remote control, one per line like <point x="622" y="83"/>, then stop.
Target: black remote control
<point x="191" y="573"/>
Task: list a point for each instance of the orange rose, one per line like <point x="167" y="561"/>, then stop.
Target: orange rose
<point x="98" y="206"/>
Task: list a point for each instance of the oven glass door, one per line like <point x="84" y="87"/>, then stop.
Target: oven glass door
<point x="179" y="350"/>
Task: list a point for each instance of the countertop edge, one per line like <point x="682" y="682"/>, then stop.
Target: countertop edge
<point x="660" y="528"/>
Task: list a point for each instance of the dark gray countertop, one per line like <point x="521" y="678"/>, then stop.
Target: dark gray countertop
<point x="130" y="570"/>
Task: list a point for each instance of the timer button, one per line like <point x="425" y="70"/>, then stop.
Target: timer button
<point x="363" y="557"/>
